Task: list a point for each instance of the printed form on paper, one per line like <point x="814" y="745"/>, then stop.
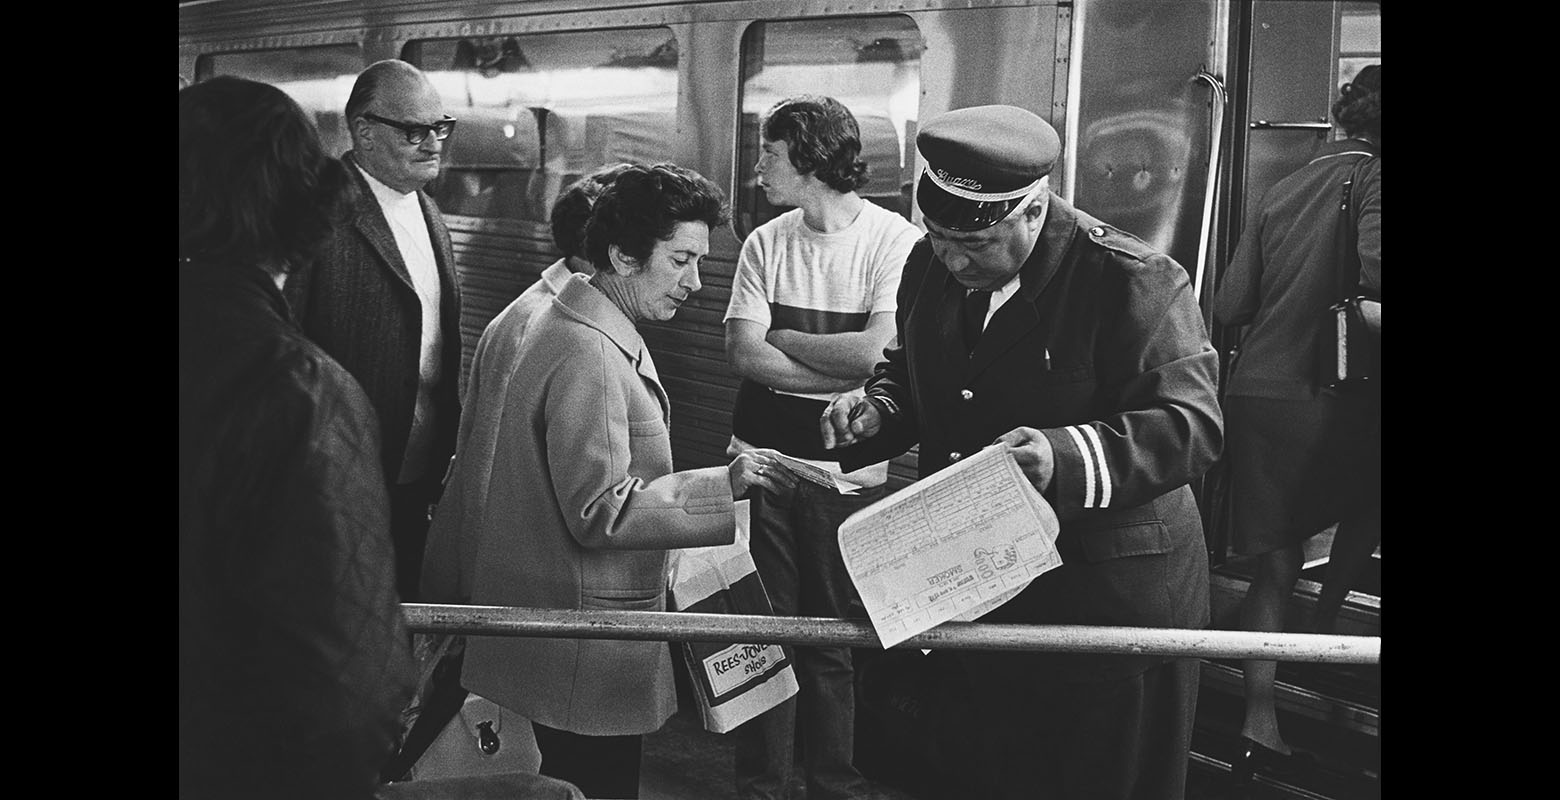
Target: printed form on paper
<point x="951" y="546"/>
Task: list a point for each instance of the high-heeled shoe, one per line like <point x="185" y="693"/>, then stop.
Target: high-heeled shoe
<point x="1254" y="756"/>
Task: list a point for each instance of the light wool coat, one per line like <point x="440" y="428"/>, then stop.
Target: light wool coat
<point x="582" y="505"/>
<point x="451" y="553"/>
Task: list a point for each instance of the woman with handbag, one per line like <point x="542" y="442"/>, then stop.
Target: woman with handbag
<point x="1303" y="454"/>
<point x="583" y="502"/>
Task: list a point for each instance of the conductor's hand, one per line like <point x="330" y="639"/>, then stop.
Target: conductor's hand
<point x="759" y="467"/>
<point x="847" y="421"/>
<point x="1033" y="453"/>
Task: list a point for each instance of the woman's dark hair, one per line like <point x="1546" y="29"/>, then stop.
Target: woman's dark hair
<point x="571" y="213"/>
<point x="255" y="186"/>
<point x="1358" y="109"/>
<point x="643" y="207"/>
<point x="822" y="137"/>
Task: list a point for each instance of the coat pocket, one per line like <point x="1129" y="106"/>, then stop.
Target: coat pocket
<point x="1124" y="575"/>
<point x="1149" y="537"/>
<point x="647" y="427"/>
<point x="623" y="599"/>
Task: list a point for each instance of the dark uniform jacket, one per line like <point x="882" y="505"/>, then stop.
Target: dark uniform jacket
<point x="293" y="659"/>
<point x="357" y="302"/>
<point x="1104" y="351"/>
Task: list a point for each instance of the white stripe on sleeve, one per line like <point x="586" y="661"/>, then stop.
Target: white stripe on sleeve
<point x="1099" y="455"/>
<point x="1088" y="465"/>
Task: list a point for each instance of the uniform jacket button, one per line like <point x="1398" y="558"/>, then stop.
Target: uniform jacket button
<point x="1096" y="231"/>
<point x="954" y="456"/>
<point x="966" y="394"/>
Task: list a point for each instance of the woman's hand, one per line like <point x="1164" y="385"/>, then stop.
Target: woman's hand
<point x="759" y="467"/>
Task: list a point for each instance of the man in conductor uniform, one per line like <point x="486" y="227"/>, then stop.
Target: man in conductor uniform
<point x="1025" y="322"/>
<point x="383" y="301"/>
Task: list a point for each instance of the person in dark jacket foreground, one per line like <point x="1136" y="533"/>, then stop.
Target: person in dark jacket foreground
<point x="293" y="656"/>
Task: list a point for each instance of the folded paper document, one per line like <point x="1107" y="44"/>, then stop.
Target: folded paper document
<point x="829" y="477"/>
<point x="951" y="546"/>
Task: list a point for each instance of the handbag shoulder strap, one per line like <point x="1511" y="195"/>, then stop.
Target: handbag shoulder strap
<point x="1348" y="235"/>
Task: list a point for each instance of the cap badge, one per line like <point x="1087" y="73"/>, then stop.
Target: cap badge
<point x="952" y="180"/>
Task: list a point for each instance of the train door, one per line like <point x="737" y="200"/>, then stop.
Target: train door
<point x="1289" y="58"/>
<point x="1287" y="61"/>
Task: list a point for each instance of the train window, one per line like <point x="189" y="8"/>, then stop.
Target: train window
<point x="320" y="78"/>
<point x="1359" y="39"/>
<point x="537" y="111"/>
<point x="871" y="64"/>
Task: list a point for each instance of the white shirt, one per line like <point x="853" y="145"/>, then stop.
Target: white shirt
<point x="412" y="238"/>
<point x="787" y="266"/>
<point x="998" y="297"/>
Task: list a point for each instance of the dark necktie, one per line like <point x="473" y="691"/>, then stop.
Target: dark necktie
<point x="975" y="305"/>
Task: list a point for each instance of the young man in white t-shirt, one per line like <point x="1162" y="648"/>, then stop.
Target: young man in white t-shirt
<point x="812" y="307"/>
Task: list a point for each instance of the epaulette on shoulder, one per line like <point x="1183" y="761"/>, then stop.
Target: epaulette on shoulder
<point x="1120" y="241"/>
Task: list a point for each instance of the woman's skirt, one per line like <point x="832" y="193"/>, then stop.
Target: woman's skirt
<point x="1297" y="467"/>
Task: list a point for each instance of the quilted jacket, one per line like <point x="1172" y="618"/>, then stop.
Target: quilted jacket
<point x="293" y="657"/>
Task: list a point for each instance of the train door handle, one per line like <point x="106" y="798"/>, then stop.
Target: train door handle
<point x="1321" y="128"/>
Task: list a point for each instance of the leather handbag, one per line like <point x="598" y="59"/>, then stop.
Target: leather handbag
<point x="483" y="738"/>
<point x="1350" y="353"/>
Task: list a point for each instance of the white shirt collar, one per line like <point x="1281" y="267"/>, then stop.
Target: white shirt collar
<point x="388" y="198"/>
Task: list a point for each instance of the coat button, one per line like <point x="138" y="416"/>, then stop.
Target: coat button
<point x="966" y="394"/>
<point x="1096" y="231"/>
<point x="954" y="456"/>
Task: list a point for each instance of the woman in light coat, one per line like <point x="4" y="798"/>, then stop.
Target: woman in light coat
<point x="583" y="501"/>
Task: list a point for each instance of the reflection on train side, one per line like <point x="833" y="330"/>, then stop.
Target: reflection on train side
<point x="537" y="111"/>
<point x="1139" y="161"/>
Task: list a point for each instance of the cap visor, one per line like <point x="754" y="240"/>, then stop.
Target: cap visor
<point x="957" y="213"/>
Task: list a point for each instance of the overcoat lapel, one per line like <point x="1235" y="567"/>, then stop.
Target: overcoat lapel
<point x="370" y="221"/>
<point x="581" y="301"/>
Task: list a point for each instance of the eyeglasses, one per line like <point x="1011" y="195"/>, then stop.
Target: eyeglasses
<point x="416" y="133"/>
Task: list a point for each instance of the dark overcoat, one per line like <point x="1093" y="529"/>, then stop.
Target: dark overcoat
<point x="357" y="302"/>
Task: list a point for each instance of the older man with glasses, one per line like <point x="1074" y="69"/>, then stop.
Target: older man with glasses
<point x="383" y="300"/>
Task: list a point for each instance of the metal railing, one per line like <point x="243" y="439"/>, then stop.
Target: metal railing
<point x="689" y="627"/>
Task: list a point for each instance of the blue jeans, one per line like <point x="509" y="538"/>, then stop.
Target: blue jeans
<point x="798" y="559"/>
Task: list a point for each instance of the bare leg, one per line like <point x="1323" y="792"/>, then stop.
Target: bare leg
<point x="1352" y="546"/>
<point x="1263" y="610"/>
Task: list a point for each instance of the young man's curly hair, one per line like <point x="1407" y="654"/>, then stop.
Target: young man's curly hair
<point x="822" y="137"/>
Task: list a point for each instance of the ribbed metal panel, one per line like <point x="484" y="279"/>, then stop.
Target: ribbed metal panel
<point x="494" y="265"/>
